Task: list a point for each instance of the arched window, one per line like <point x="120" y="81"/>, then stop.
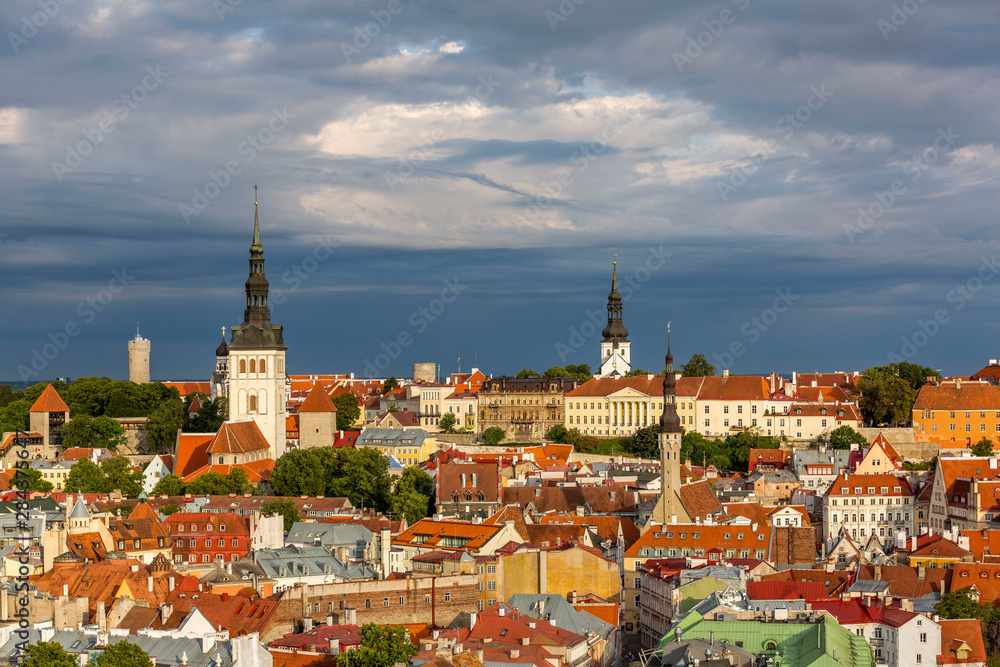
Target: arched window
<point x="253" y="401"/>
<point x="253" y="365"/>
<point x="263" y="365"/>
<point x="243" y="365"/>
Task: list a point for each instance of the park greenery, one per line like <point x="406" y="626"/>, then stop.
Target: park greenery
<point x="113" y="473"/>
<point x="210" y="483"/>
<point x="579" y="372"/>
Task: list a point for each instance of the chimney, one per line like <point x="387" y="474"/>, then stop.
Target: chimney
<point x="170" y="582"/>
<point x="473" y="617"/>
<point x="725" y="372"/>
<point x="878" y="573"/>
<point x="500" y="612"/>
<point x="515" y="653"/>
<point x="149" y="584"/>
<point x="913" y="543"/>
<point x="921" y="571"/>
<point x="166" y="610"/>
<point x="526" y="641"/>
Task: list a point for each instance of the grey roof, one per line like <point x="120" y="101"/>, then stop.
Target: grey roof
<point x="307" y="561"/>
<point x="775" y="475"/>
<point x="79" y="510"/>
<point x="41" y="464"/>
<point x="836" y="457"/>
<point x="9" y="527"/>
<point x="391" y="437"/>
<point x="45" y="504"/>
<point x="868" y="586"/>
<point x="722" y="573"/>
<point x="357" y="538"/>
<point x="926" y="603"/>
<point x="687" y="651"/>
<point x="556" y="610"/>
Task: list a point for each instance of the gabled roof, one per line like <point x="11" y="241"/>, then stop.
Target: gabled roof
<point x="256" y="471"/>
<point x="606" y="386"/>
<point x="238" y="437"/>
<point x="844" y="485"/>
<point x="699" y="499"/>
<point x="186" y="388"/>
<point x="430" y="534"/>
<point x="49" y="401"/>
<point x="984" y="577"/>
<point x="509" y="513"/>
<point x="961" y="635"/>
<point x="905" y="582"/>
<point x="192" y="452"/>
<point x="606" y="526"/>
<point x="317" y="401"/>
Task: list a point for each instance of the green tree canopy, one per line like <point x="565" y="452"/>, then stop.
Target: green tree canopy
<point x="163" y="425"/>
<point x="35" y="482"/>
<point x="210" y="416"/>
<point x="579" y="372"/>
<point x="645" y="442"/>
<point x="557" y="433"/>
<point x="48" y="654"/>
<point x="119" y="474"/>
<point x="348" y="410"/>
<point x="884" y="397"/>
<point x="412" y="495"/>
<point x="494" y="435"/>
<point x="697" y="366"/>
<point x="169" y="485"/>
<point x="208" y="484"/>
<point x="636" y="372"/>
<point x="556" y="372"/>
<point x="87" y="431"/>
<point x="844" y="436"/>
<point x="381" y="646"/>
<point x="738" y="447"/>
<point x="85" y="477"/>
<point x="123" y="654"/>
<point x="297" y="473"/>
<point x="525" y="373"/>
<point x="285" y="507"/>
<point x="361" y="474"/>
<point x="983" y="448"/>
<point x="447" y="422"/>
<point x="389" y="384"/>
<point x="702" y="451"/>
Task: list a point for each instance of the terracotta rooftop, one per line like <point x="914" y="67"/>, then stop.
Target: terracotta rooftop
<point x="238" y="437"/>
<point x="49" y="401"/>
<point x="317" y="401"/>
<point x="961" y="637"/>
<point x="951" y="396"/>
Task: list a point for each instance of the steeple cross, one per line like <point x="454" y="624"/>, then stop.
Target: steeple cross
<point x="223" y="332"/>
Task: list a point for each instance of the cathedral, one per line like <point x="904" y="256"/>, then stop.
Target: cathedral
<point x="616" y="358"/>
<point x="254" y="359"/>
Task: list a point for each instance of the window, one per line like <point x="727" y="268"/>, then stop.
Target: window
<point x="725" y="409"/>
<point x="235" y="543"/>
<point x="193" y="543"/>
<point x="385" y="602"/>
<point x="923" y="637"/>
<point x="447" y="597"/>
<point x="427" y="599"/>
<point x="402" y="600"/>
<point x="491" y="585"/>
<point x="205" y="558"/>
<point x="368" y="603"/>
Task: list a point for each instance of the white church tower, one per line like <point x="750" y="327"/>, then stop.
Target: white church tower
<point x="256" y="357"/>
<point x="616" y="355"/>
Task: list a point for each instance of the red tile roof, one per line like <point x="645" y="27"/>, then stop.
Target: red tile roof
<point x="317" y="401"/>
<point x="786" y="590"/>
<point x="256" y="471"/>
<point x="49" y="401"/>
<point x="984" y="544"/>
<point x="186" y="388"/>
<point x="972" y="396"/>
<point x="192" y="452"/>
<point x="905" y="582"/>
<point x="961" y="634"/>
<point x="734" y="387"/>
<point x="984" y="577"/>
<point x="844" y="485"/>
<point x="431" y="534"/>
<point x="607" y="526"/>
<point x="238" y="437"/>
<point x="649" y="386"/>
<point x="779" y="458"/>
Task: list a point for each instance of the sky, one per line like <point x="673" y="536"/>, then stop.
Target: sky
<point x="792" y="186"/>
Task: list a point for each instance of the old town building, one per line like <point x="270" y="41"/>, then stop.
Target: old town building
<point x="525" y="408"/>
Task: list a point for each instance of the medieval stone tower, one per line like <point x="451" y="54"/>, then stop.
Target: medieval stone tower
<point x="672" y="510"/>
<point x="138" y="359"/>
<point x="256" y="354"/>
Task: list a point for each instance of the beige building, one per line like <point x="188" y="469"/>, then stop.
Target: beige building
<point x="728" y="404"/>
<point x="317" y="420"/>
<point x="618" y="406"/>
<point x="525" y="408"/>
<point x="47" y="417"/>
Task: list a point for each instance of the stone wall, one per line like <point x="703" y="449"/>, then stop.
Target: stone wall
<point x="135" y="435"/>
<point x="445" y="440"/>
<point x="451" y="599"/>
<point x="61" y="611"/>
<point x="893" y="435"/>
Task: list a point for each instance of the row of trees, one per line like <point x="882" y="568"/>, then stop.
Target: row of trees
<point x="52" y="654"/>
<point x="362" y="475"/>
<point x="211" y="483"/>
<point x="578" y="372"/>
<point x="114" y="473"/>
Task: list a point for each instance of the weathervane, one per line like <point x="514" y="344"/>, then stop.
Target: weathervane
<point x="254" y="194"/>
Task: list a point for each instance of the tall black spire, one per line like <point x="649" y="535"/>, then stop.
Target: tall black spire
<point x="257" y="330"/>
<point x="669" y="421"/>
<point x="615" y="331"/>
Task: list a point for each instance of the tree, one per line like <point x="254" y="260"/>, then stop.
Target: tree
<point x="209" y="418"/>
<point x="556" y="372"/>
<point x="636" y="372"/>
<point x="411" y="497"/>
<point x="91" y="432"/>
<point x="447" y="422"/>
<point x="494" y="434"/>
<point x="525" y="373"/>
<point x="7" y="395"/>
<point x="34" y="480"/>
<point x="579" y="372"/>
<point x="557" y="433"/>
<point x="983" y="448"/>
<point x="123" y="654"/>
<point x="364" y="477"/>
<point x="645" y="442"/>
<point x="914" y="374"/>
<point x="167" y="510"/>
<point x="48" y="654"/>
<point x="961" y="604"/>
<point x="348" y="410"/>
<point x="884" y="397"/>
<point x="298" y="473"/>
<point x="844" y="436"/>
<point x="237" y="482"/>
<point x="209" y="484"/>
<point x="697" y="366"/>
<point x="86" y="477"/>
<point x="738" y="447"/>
<point x="700" y="450"/>
<point x="169" y="485"/>
<point x="163" y="424"/>
<point x="381" y="646"/>
<point x="119" y="474"/>
<point x="389" y="385"/>
<point x="285" y="507"/>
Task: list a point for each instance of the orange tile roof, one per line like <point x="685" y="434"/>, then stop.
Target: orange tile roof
<point x="509" y="513"/>
<point x="905" y="582"/>
<point x="87" y="545"/>
<point x="699" y="500"/>
<point x="187" y="388"/>
<point x="102" y="582"/>
<point x="977" y="396"/>
<point x="753" y="511"/>
<point x="770" y="457"/>
<point x="434" y="533"/>
<point x="649" y="386"/>
<point x="824" y="410"/>
<point x="142" y="524"/>
<point x="984" y="577"/>
<point x="826" y="379"/>
<point x="957" y="471"/>
<point x="958" y="634"/>
<point x="237" y="437"/>
<point x="704" y="537"/>
<point x="256" y="471"/>
<point x="317" y="401"/>
<point x="844" y="485"/>
<point x="833" y="581"/>
<point x="192" y="452"/>
<point x="734" y="387"/>
<point x="606" y="526"/>
<point x="49" y="401"/>
<point x="607" y="612"/>
<point x="985" y="544"/>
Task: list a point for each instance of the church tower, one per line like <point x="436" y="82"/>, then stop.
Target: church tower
<point x="671" y="509"/>
<point x="616" y="358"/>
<point x="256" y="357"/>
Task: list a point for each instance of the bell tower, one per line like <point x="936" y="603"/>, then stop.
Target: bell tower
<point x="616" y="357"/>
<point x="669" y="438"/>
<point x="256" y="356"/>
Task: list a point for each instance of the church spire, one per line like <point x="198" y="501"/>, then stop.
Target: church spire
<point x="255" y="244"/>
<point x="669" y="421"/>
<point x="615" y="331"/>
<point x="257" y="286"/>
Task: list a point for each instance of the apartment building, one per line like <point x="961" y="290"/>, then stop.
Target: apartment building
<point x="867" y="505"/>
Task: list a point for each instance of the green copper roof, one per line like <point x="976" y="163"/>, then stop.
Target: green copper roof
<point x="798" y="644"/>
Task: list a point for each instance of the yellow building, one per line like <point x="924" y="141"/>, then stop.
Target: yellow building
<point x="410" y="447"/>
<point x="560" y="571"/>
<point x="609" y="407"/>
